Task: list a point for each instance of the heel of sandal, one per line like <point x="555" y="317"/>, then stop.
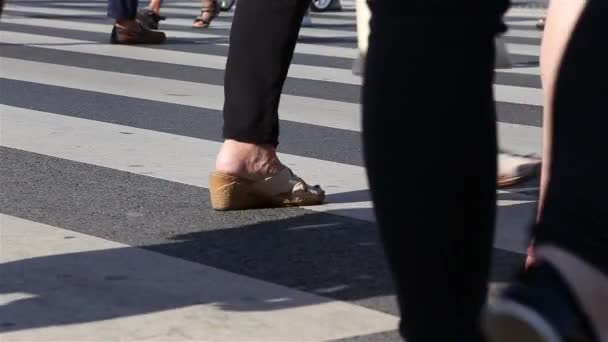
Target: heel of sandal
<point x="232" y="193"/>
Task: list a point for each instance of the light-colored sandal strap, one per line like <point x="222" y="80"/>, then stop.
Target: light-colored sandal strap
<point x="285" y="182"/>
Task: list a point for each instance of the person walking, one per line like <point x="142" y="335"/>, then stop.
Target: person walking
<point x="439" y="248"/>
<point x="248" y="173"/>
<point x="126" y="28"/>
<point x="430" y="241"/>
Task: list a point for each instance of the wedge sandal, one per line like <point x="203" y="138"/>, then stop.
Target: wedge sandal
<point x="209" y="10"/>
<point x="282" y="190"/>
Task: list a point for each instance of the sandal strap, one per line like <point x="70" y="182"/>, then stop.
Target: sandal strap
<point x="285" y="182"/>
<point x="212" y="14"/>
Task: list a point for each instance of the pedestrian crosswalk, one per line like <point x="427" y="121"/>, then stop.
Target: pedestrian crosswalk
<point x="105" y="226"/>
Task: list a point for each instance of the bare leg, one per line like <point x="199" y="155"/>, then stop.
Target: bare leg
<point x="154" y="6"/>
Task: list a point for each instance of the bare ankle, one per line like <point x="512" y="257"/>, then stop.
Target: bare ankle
<point x="154" y="6"/>
<point x="249" y="160"/>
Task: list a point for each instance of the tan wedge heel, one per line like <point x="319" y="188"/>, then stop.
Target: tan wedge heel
<point x="233" y="193"/>
<point x="282" y="190"/>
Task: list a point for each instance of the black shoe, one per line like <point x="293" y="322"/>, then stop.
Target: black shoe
<point x="148" y="19"/>
<point x="539" y="307"/>
<point x="139" y="36"/>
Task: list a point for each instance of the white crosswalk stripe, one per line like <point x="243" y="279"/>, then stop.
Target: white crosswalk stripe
<point x="79" y="115"/>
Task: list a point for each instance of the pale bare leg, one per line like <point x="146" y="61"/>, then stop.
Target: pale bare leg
<point x="154" y="6"/>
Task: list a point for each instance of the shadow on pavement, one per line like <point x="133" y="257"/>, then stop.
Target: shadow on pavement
<point x="339" y="259"/>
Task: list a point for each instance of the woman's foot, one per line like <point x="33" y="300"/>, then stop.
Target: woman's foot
<point x="209" y="11"/>
<point x="250" y="176"/>
<point x="254" y="162"/>
<point x="131" y="32"/>
<point x="513" y="169"/>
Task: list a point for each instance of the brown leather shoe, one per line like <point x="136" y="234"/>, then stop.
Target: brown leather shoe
<point x="139" y="36"/>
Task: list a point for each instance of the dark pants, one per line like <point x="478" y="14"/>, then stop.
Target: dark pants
<point x="428" y="95"/>
<point x="262" y="41"/>
<point x="127" y="9"/>
<point x="122" y="9"/>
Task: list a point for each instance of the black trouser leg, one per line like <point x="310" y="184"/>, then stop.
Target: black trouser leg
<point x="262" y="41"/>
<point x="428" y="113"/>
